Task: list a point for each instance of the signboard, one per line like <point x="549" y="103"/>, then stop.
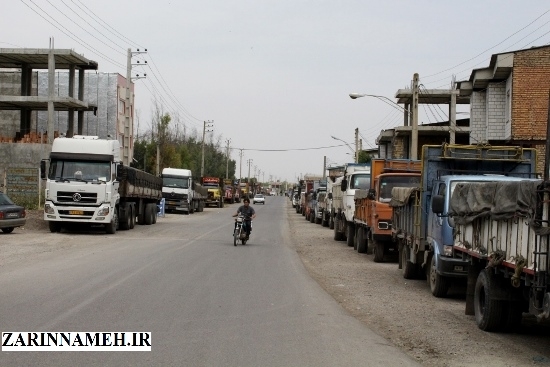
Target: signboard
<point x="22" y="182"/>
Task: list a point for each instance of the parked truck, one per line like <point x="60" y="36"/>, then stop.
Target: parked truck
<point x="317" y="204"/>
<point x="181" y="192"/>
<point x="87" y="183"/>
<point x="502" y="230"/>
<point x="373" y="214"/>
<point x="426" y="239"/>
<point x="214" y="196"/>
<point x="356" y="177"/>
<point x="231" y="192"/>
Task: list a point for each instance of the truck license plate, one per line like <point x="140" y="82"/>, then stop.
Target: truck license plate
<point x="76" y="212"/>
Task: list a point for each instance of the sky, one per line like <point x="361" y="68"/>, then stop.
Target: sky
<point x="274" y="77"/>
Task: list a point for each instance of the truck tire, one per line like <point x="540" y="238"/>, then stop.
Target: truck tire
<point x="362" y="243"/>
<point x="132" y="216"/>
<point x="54" y="227"/>
<point x="325" y="220"/>
<point x="312" y="217"/>
<point x="408" y="268"/>
<point x="337" y="235"/>
<point x="350" y="234"/>
<point x="148" y="216"/>
<point x="111" y="227"/>
<point x="201" y="206"/>
<point x="155" y="212"/>
<point x="330" y="222"/>
<point x="378" y="250"/>
<point x="490" y="313"/>
<point x="317" y="219"/>
<point x="221" y="203"/>
<point x="439" y="285"/>
<point x="125" y="215"/>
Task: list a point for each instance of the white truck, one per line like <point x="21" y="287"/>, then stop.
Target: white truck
<point x="181" y="192"/>
<point x="87" y="183"/>
<point x="356" y="177"/>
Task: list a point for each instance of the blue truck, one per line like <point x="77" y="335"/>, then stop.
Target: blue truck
<point x="426" y="238"/>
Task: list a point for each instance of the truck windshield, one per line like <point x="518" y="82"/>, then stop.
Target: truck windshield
<point x="88" y="171"/>
<point x="361" y="182"/>
<point x="387" y="183"/>
<point x="177" y="182"/>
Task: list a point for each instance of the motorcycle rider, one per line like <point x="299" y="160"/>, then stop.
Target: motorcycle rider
<point x="248" y="213"/>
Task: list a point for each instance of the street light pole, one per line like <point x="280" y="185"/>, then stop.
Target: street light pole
<point x="354" y="152"/>
<point x="414" y="113"/>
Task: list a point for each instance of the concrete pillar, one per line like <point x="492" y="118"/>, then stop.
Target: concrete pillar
<point x="452" y="117"/>
<point x="51" y="94"/>
<point x="70" y="122"/>
<point x="81" y="98"/>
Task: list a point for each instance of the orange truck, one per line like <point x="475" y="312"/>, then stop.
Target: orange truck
<point x="373" y="214"/>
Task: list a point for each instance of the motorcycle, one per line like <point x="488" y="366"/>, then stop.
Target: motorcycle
<point x="239" y="234"/>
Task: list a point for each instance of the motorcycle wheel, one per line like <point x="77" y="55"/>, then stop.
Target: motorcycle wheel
<point x="235" y="236"/>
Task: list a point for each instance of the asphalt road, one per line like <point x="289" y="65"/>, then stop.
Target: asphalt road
<point x="206" y="302"/>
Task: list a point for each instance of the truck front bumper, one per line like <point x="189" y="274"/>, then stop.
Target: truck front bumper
<point x="82" y="214"/>
<point x="452" y="267"/>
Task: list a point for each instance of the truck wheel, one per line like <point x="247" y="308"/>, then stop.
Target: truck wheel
<point x="155" y="213"/>
<point x="318" y="220"/>
<point x="54" y="227"/>
<point x="325" y="220"/>
<point x="111" y="227"/>
<point x="148" y="217"/>
<point x="361" y="241"/>
<point x="489" y="313"/>
<point x="439" y="285"/>
<point x="330" y="222"/>
<point x="337" y="235"/>
<point x="408" y="268"/>
<point x="312" y="217"/>
<point x="350" y="234"/>
<point x="125" y="215"/>
<point x="132" y="216"/>
<point x="378" y="251"/>
<point x="357" y="230"/>
<point x="201" y="206"/>
<point x="221" y="203"/>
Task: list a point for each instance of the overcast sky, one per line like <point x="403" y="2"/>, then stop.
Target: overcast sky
<point x="274" y="76"/>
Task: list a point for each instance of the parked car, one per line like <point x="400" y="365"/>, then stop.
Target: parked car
<point x="259" y="199"/>
<point x="11" y="215"/>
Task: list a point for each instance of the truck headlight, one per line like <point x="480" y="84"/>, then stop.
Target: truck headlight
<point x="448" y="250"/>
<point x="48" y="209"/>
<point x="102" y="212"/>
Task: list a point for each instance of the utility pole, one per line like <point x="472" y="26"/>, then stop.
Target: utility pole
<point x="240" y="165"/>
<point x="209" y="125"/>
<point x="324" y="167"/>
<point x="127" y="152"/>
<point x="356" y="145"/>
<point x="228" y="141"/>
<point x="414" y="132"/>
<point x="248" y="178"/>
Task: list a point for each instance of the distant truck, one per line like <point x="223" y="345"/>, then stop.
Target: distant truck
<point x="87" y="183"/>
<point x="356" y="177"/>
<point x="214" y="196"/>
<point x="426" y="239"/>
<point x="373" y="214"/>
<point x="502" y="230"/>
<point x="181" y="192"/>
<point x="231" y="192"/>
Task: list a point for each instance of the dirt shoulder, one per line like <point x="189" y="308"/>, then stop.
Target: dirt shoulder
<point x="434" y="331"/>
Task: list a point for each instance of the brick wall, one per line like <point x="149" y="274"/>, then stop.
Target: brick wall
<point x="531" y="82"/>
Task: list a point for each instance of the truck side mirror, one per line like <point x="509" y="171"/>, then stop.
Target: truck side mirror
<point x="330" y="195"/>
<point x="438" y="204"/>
<point x="371" y="194"/>
<point x="43" y="169"/>
<point x="344" y="185"/>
